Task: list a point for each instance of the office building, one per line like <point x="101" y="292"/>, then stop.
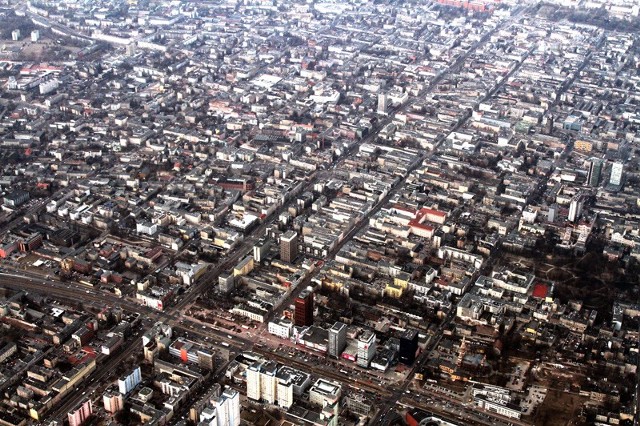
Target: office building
<point x="303" y="315"/>
<point x="337" y="339"/>
<point x="616" y="174"/>
<point x="408" y="346"/>
<point x="575" y="208"/>
<point x="261" y="249"/>
<point x="553" y="213"/>
<point x="382" y="103"/>
<point x="324" y="393"/>
<point x="366" y="348"/>
<point x="226" y="282"/>
<point x="595" y="169"/>
<point x="289" y="246"/>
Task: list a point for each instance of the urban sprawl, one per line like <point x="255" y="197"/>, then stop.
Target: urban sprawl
<point x="275" y="212"/>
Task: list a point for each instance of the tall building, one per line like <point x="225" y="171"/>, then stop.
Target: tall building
<point x="553" y="213"/>
<point x="289" y="246"/>
<point x="303" y="315"/>
<point x="285" y="389"/>
<point x="366" y="348"/>
<point x="324" y="392"/>
<point x="226" y="282"/>
<point x="113" y="401"/>
<point x="130" y="381"/>
<point x="81" y="413"/>
<point x="595" y="169"/>
<point x="326" y="395"/>
<point x="408" y="346"/>
<point x="253" y="381"/>
<point x="575" y="208"/>
<point x="269" y="382"/>
<point x="382" y="103"/>
<point x="262" y="383"/>
<point x="337" y="339"/>
<point x="228" y="408"/>
<point x="616" y="173"/>
<point x="261" y="249"/>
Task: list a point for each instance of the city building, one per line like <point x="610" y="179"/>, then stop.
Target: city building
<point x="408" y="346"/>
<point x="226" y="282"/>
<point x="189" y="351"/>
<point x="303" y="314"/>
<point x="129" y="381"/>
<point x="289" y="246"/>
<point x="282" y="328"/>
<point x="595" y="170"/>
<point x="80" y="413"/>
<point x="337" y="339"/>
<point x="262" y="383"/>
<point x="366" y="348"/>
<point x="575" y="208"/>
<point x="553" y="213"/>
<point x="284" y="389"/>
<point x="616" y="173"/>
<point x="16" y="198"/>
<point x="382" y="103"/>
<point x="228" y="408"/>
<point x="261" y="249"/>
<point x="324" y="392"/>
<point x="113" y="401"/>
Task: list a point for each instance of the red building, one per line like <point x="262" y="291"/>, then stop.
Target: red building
<point x="31" y="243"/>
<point x="303" y="315"/>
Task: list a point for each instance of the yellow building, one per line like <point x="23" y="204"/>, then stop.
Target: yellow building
<point x="581" y="145"/>
<point x="402" y="280"/>
<point x="244" y="267"/>
<point x="394" y="290"/>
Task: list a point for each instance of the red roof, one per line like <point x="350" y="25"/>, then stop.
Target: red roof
<point x="415" y="224"/>
<point x="425" y="210"/>
<point x="540" y="291"/>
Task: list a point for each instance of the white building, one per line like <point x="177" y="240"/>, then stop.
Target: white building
<point x="285" y="390"/>
<point x="262" y="383"/>
<point x="253" y="382"/>
<point x="616" y="173"/>
<point x="337" y="339"/>
<point x="382" y="104"/>
<point x="146" y="227"/>
<point x="324" y="393"/>
<point x="130" y="381"/>
<point x="366" y="348"/>
<point x="575" y="208"/>
<point x="228" y="408"/>
<point x="283" y="328"/>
